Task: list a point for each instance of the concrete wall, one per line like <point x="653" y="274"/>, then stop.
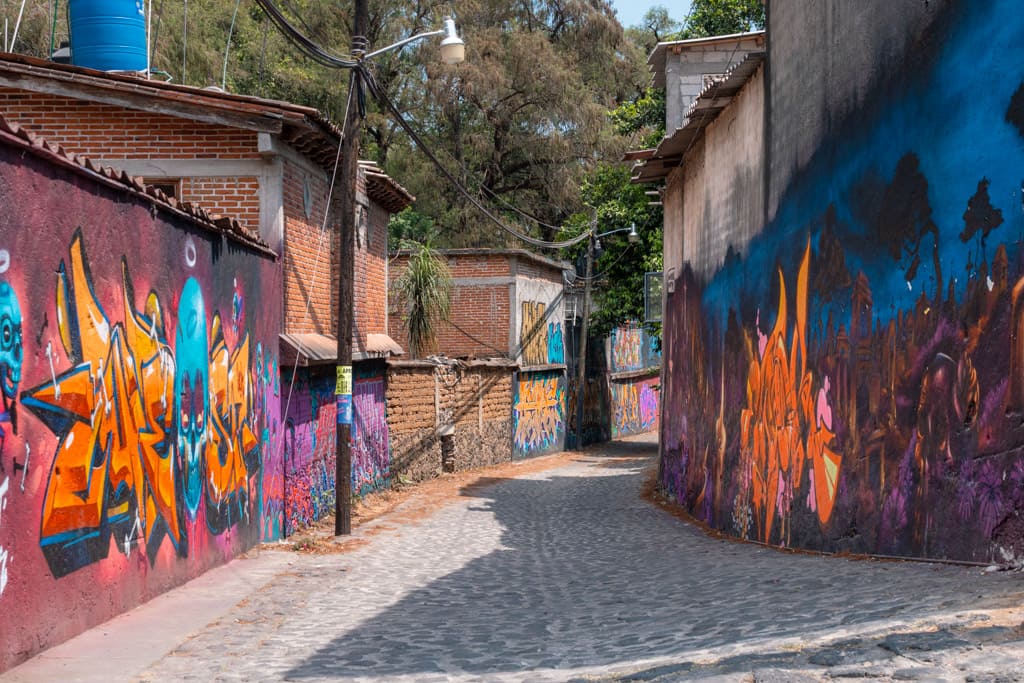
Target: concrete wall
<point x="140" y="408"/>
<point x="538" y="318"/>
<point x="539" y="413"/>
<point x="635" y="405"/>
<point x="850" y="379"/>
<point x="475" y="398"/>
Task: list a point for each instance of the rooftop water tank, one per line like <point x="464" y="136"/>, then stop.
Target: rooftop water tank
<point x="109" y="35"/>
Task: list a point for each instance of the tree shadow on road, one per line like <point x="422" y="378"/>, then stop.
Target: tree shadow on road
<point x="589" y="574"/>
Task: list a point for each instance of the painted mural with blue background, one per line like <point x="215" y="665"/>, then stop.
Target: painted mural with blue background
<point x="854" y="379"/>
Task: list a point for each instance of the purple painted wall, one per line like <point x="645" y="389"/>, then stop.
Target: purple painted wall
<point x="311" y="440"/>
<point x="138" y="409"/>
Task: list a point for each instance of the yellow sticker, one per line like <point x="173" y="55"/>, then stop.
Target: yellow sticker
<point x="344" y="385"/>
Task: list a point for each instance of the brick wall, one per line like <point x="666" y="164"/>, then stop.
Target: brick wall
<point x="477" y="399"/>
<point x="479" y="325"/>
<point x="309" y="254"/>
<point x="371" y="293"/>
<point x="111" y="132"/>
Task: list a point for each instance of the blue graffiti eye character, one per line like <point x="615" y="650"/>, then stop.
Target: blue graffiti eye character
<point x="191" y="390"/>
<point x="10" y="342"/>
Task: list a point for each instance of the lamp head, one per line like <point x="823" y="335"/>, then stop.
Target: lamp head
<point x="633" y="235"/>
<point x="453" y="50"/>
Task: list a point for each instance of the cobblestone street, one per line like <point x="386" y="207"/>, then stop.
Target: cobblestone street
<point x="569" y="574"/>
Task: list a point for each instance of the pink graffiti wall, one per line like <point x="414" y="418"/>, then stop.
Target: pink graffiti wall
<point x="139" y="406"/>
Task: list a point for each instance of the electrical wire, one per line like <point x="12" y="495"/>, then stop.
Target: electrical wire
<point x="231" y="30"/>
<point x="306" y="46"/>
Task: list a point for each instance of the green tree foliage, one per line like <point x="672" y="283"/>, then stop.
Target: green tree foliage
<point x="423" y="293"/>
<point x="619" y="266"/>
<point x="723" y="17"/>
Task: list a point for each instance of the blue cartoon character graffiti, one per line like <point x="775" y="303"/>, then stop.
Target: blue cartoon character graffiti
<point x="192" y="390"/>
<point x="10" y="358"/>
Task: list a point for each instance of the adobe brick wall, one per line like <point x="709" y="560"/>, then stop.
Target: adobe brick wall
<point x="478" y="400"/>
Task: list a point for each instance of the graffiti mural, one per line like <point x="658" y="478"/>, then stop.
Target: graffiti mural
<point x="150" y="437"/>
<point x="533" y="333"/>
<point x="371" y="457"/>
<point x="556" y="343"/>
<point x="311" y="438"/>
<point x="627" y="349"/>
<point x="538" y="413"/>
<point x="868" y="395"/>
<point x="635" y="407"/>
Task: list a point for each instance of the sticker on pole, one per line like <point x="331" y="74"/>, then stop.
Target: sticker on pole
<point x="344" y="382"/>
<point x="343" y="389"/>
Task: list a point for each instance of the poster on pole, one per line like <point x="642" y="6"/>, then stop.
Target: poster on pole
<point x="343" y="390"/>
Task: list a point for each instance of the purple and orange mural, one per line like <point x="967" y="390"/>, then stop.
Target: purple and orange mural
<point x="140" y="402"/>
<point x="852" y="380"/>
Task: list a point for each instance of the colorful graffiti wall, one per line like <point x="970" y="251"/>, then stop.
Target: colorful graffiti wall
<point x="633" y="349"/>
<point x="371" y="455"/>
<point x="635" y="406"/>
<point x="541" y="338"/>
<point x="310" y="445"/>
<point x="538" y="413"/>
<point x="311" y="440"/>
<point x="853" y="378"/>
<point x="140" y="407"/>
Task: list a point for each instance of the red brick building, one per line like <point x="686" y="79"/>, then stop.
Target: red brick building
<point x="265" y="163"/>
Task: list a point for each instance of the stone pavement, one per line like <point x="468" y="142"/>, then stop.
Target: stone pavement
<point x="568" y="575"/>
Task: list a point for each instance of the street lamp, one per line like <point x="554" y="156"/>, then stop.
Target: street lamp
<point x="453" y="51"/>
<point x="593" y="244"/>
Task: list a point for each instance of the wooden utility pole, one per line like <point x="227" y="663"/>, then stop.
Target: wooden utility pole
<point x="581" y="361"/>
<point x="346" y="280"/>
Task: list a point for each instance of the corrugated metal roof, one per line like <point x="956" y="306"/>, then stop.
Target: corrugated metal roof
<point x="656" y="164"/>
<point x="311" y="348"/>
<point x="14" y="135"/>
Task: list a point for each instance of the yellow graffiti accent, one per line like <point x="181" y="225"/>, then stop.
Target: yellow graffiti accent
<point x="533" y="333"/>
<point x="785" y="422"/>
<point x="231" y="403"/>
<point x="118" y="398"/>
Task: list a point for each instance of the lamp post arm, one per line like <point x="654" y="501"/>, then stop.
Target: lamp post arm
<point x="402" y="43"/>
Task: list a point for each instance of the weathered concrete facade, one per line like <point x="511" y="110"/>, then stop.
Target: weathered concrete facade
<point x="843" y="373"/>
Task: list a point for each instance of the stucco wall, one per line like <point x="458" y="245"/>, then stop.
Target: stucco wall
<point x="852" y="379"/>
<point x="140" y="404"/>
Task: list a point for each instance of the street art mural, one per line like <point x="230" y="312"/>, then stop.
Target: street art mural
<point x="634" y="406"/>
<point x="138" y="412"/>
<point x="533" y="333"/>
<point x="634" y="349"/>
<point x="854" y="380"/>
<point x="371" y="457"/>
<point x="311" y="438"/>
<point x="538" y="413"/>
<point x="153" y="439"/>
<point x="541" y="339"/>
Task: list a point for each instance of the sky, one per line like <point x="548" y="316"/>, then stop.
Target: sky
<point x="632" y="12"/>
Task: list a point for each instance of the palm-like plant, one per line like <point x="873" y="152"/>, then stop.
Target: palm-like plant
<point x="424" y="293"/>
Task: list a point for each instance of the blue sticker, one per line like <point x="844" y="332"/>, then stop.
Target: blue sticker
<point x="344" y="409"/>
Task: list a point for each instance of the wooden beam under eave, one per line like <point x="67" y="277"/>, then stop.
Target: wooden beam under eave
<point x="141" y="102"/>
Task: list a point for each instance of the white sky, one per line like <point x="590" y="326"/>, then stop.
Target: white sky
<point x="631" y="12"/>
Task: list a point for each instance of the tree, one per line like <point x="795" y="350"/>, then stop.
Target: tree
<point x="723" y="17"/>
<point x="423" y="292"/>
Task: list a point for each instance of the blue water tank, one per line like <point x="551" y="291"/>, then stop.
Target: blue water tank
<point x="109" y="35"/>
